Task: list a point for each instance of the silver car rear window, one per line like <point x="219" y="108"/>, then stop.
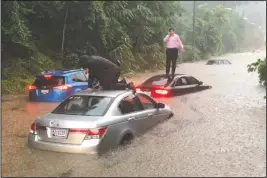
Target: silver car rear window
<point x="84" y="105"/>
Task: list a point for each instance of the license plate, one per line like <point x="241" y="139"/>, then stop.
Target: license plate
<point x="44" y="91"/>
<point x="62" y="133"/>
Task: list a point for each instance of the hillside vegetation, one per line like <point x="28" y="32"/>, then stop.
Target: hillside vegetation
<point x="260" y="67"/>
<point x="43" y="35"/>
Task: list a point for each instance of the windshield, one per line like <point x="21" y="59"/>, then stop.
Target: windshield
<point x="210" y="62"/>
<point x="84" y="106"/>
<point x="225" y="62"/>
<point x="156" y="81"/>
<point x="49" y="82"/>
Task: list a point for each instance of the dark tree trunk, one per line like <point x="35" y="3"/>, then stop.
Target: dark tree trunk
<point x="63" y="34"/>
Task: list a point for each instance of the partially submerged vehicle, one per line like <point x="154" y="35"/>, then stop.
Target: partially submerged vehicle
<point x="161" y="86"/>
<point x="57" y="85"/>
<point x="218" y="62"/>
<point x="93" y="122"/>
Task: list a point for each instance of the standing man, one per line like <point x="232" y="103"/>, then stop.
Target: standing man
<point x="173" y="43"/>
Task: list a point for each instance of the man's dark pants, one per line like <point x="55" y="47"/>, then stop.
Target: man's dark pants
<point x="110" y="80"/>
<point x="171" y="57"/>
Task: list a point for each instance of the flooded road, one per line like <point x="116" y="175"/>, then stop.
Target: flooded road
<point x="216" y="132"/>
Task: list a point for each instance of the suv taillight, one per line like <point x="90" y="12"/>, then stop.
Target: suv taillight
<point x="30" y="87"/>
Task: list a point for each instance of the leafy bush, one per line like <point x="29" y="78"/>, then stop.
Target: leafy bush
<point x="14" y="85"/>
<point x="16" y="74"/>
<point x="187" y="55"/>
<point x="260" y="67"/>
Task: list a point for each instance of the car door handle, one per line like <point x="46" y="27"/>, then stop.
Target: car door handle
<point x="131" y="118"/>
<point x="150" y="114"/>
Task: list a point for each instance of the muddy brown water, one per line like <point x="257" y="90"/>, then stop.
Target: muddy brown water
<point x="215" y="132"/>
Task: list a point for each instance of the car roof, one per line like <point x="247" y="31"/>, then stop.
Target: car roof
<point x="109" y="93"/>
<point x="218" y="60"/>
<point x="176" y="76"/>
<point x="62" y="72"/>
<point x="164" y="75"/>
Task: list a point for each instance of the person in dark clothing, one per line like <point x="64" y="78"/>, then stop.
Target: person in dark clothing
<point x="103" y="70"/>
<point x="173" y="43"/>
<point x="115" y="62"/>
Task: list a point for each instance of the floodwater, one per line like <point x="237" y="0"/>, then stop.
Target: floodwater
<point x="215" y="132"/>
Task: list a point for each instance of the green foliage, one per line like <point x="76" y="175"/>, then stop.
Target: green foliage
<point x="15" y="76"/>
<point x="14" y="27"/>
<point x="262" y="72"/>
<point x="14" y="85"/>
<point x="218" y="31"/>
<point x="210" y="26"/>
<point x="17" y="73"/>
<point x="260" y="67"/>
<point x="187" y="55"/>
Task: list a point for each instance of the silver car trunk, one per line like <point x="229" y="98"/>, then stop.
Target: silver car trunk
<point x="62" y="124"/>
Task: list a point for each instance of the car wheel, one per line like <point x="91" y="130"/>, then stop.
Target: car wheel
<point x="127" y="139"/>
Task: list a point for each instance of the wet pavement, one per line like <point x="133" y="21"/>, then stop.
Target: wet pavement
<point x="215" y="132"/>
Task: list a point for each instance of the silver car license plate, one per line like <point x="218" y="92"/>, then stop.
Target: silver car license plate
<point x="60" y="133"/>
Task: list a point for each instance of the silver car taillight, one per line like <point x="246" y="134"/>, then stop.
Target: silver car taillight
<point x="91" y="133"/>
<point x="33" y="128"/>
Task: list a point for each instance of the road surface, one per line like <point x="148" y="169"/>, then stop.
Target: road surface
<point x="216" y="132"/>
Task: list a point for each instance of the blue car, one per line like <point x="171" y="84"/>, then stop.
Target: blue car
<point x="56" y="86"/>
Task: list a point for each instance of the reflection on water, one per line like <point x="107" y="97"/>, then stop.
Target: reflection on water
<point x="33" y="109"/>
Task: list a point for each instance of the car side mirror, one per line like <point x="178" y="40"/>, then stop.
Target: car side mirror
<point x="200" y="83"/>
<point x="160" y="105"/>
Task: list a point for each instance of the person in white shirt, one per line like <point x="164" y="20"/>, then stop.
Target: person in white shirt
<point x="173" y="43"/>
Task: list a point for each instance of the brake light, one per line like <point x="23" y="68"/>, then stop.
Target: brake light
<point x="33" y="128"/>
<point x="138" y="89"/>
<point x="47" y="76"/>
<point x="30" y="87"/>
<point x="62" y="87"/>
<point x="79" y="130"/>
<point x="162" y="91"/>
<point x="91" y="133"/>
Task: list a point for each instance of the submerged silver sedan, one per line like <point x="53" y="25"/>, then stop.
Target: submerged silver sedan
<point x="92" y="122"/>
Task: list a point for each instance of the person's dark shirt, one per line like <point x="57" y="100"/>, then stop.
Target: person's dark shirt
<point x="98" y="66"/>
